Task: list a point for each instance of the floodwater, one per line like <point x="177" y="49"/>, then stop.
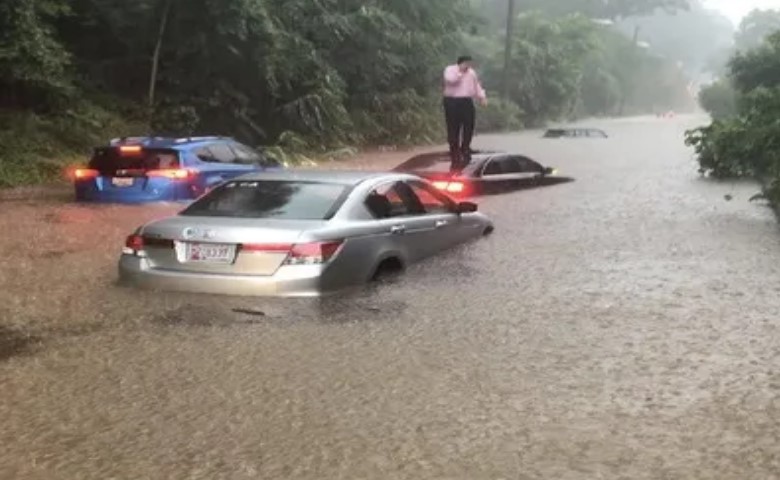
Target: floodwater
<point x="623" y="326"/>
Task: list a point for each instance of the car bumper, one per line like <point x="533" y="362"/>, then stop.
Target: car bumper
<point x="164" y="193"/>
<point x="288" y="281"/>
<point x="111" y="197"/>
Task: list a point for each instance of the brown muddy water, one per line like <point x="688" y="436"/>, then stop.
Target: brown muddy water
<point x="623" y="326"/>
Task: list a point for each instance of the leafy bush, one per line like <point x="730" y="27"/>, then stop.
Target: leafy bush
<point x="748" y="144"/>
<point x="721" y="149"/>
<point x="719" y="99"/>
<point x="36" y="148"/>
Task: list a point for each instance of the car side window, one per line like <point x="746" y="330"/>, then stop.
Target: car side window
<point x="502" y="165"/>
<point x="245" y="155"/>
<point x="205" y="155"/>
<point x="432" y="201"/>
<point x="386" y="201"/>
<point x="494" y="167"/>
<point x="222" y="153"/>
<point x="527" y="165"/>
<point x="249" y="156"/>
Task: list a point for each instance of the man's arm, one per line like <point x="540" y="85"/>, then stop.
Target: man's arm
<point x="452" y="75"/>
<point x="481" y="94"/>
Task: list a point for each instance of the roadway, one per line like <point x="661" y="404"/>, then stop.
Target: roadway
<point x="624" y="325"/>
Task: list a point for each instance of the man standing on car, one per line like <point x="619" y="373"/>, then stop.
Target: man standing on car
<point x="461" y="87"/>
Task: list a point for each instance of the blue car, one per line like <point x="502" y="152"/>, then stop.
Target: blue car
<point x="146" y="169"/>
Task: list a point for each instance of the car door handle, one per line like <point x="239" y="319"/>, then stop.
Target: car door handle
<point x="397" y="229"/>
<point x="441" y="223"/>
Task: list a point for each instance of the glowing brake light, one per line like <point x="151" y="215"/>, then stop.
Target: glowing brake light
<point x="173" y="173"/>
<point x="455" y="187"/>
<point x="130" y="149"/>
<point x="85" y="173"/>
<point x="134" y="245"/>
<point x="452" y="187"/>
<point x="314" y="253"/>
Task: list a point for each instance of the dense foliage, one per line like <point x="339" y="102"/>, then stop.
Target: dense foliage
<point x="699" y="38"/>
<point x="756" y="27"/>
<point x="569" y="66"/>
<point x="747" y="143"/>
<point x="306" y="74"/>
<point x="719" y="99"/>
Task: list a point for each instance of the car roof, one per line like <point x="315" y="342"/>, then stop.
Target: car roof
<point x="345" y="177"/>
<point x="423" y="161"/>
<point x="565" y="130"/>
<point x="167" y="142"/>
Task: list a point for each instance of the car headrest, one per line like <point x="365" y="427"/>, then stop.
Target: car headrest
<point x="379" y="205"/>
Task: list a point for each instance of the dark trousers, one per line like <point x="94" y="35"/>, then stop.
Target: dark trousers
<point x="460" y="115"/>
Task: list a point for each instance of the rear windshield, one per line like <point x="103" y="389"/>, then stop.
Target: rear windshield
<point x="284" y="200"/>
<point x="111" y="160"/>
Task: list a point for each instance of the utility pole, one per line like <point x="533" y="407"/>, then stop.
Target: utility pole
<point x="510" y="30"/>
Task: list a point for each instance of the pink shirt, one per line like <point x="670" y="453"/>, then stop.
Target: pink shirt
<point x="462" y="85"/>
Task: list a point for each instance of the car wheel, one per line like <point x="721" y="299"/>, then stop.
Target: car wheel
<point x="388" y="268"/>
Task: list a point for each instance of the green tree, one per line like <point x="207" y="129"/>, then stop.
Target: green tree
<point x="33" y="63"/>
<point x="747" y="144"/>
<point x="719" y="99"/>
<point x="756" y="27"/>
<point x="696" y="37"/>
<point x="547" y="66"/>
<point x="614" y="9"/>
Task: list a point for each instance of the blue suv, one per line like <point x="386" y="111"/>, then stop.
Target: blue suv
<point x="153" y="169"/>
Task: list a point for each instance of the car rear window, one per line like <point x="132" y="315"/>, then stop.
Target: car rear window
<point x="284" y="200"/>
<point x="114" y="160"/>
<point x="427" y="163"/>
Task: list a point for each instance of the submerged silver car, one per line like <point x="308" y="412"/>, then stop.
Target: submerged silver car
<point x="298" y="233"/>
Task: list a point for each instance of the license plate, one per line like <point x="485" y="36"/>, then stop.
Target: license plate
<point x="122" y="182"/>
<point x="210" y="252"/>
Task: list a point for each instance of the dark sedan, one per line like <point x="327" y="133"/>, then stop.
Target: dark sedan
<point x="486" y="173"/>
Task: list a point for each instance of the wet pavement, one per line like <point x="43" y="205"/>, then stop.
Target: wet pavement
<point x="623" y="326"/>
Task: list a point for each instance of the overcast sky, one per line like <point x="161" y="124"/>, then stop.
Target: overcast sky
<point x="736" y="9"/>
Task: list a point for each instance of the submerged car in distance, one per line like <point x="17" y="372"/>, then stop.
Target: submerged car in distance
<point x="298" y="233"/>
<point x="575" y="133"/>
<point x="487" y="172"/>
<point x="154" y="169"/>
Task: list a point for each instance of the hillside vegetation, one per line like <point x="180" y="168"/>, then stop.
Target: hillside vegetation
<point x="304" y="75"/>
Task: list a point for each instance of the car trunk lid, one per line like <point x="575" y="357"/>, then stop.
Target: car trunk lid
<point x="129" y="168"/>
<point x="223" y="245"/>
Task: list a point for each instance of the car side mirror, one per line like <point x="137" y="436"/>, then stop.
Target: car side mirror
<point x="466" y="207"/>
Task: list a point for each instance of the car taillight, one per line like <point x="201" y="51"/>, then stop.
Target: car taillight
<point x="173" y="173"/>
<point x="85" y="173"/>
<point x="299" y="254"/>
<point x="313" y="253"/>
<point x="455" y="187"/>
<point x="134" y="245"/>
<point x="452" y="187"/>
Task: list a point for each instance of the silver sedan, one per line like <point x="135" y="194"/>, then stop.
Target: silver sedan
<point x="298" y="233"/>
